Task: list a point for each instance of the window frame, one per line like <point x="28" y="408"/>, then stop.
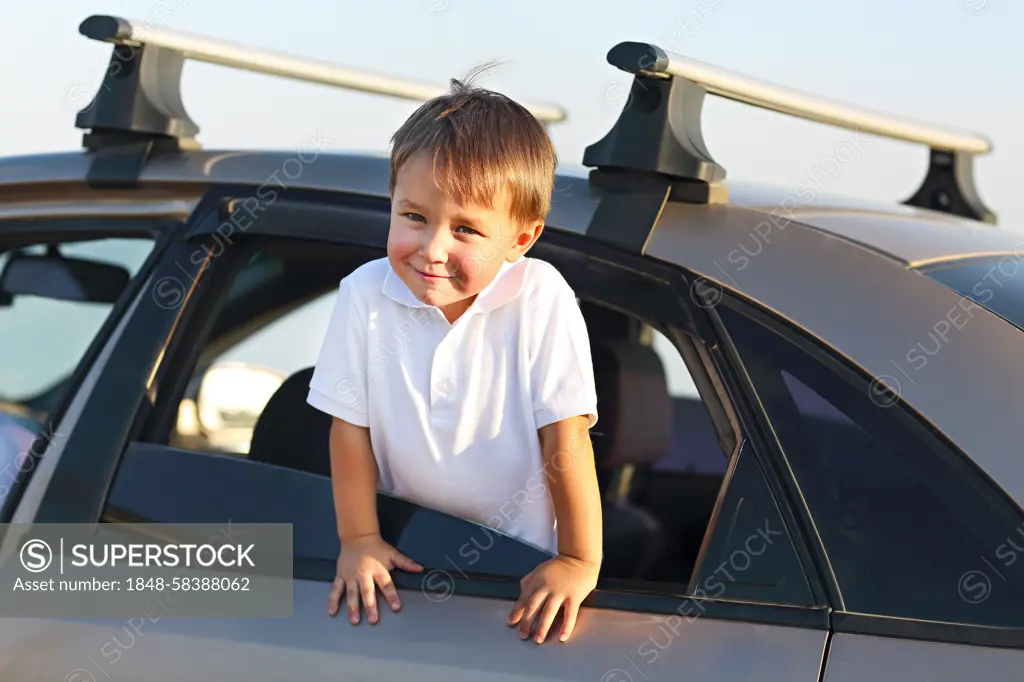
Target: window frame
<point x="842" y="620"/>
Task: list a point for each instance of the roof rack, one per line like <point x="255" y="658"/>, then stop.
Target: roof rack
<point x="138" y="108"/>
<point x="659" y="133"/>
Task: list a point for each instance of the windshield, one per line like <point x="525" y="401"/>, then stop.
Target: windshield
<point x="995" y="283"/>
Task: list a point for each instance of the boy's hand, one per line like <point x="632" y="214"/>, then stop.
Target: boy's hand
<point x="562" y="582"/>
<point x="365" y="563"/>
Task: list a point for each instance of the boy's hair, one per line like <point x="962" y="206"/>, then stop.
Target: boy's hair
<point x="482" y="144"/>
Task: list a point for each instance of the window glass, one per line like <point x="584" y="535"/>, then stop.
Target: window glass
<point x="151" y="478"/>
<point x="43" y="337"/>
<point x="694" y="447"/>
<point x="997" y="284"/>
<point x="289" y="343"/>
<point x="750" y="555"/>
<point x="228" y="394"/>
<point x="907" y="525"/>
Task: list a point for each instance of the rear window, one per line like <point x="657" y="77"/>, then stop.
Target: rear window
<point x="995" y="283"/>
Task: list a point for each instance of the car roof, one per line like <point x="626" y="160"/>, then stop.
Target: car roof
<point x="912" y="236"/>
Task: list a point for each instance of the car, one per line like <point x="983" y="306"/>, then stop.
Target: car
<point x="809" y="445"/>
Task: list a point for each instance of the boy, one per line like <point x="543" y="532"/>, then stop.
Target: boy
<point x="457" y="370"/>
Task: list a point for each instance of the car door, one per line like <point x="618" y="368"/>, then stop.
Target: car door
<point x="919" y="548"/>
<point x="752" y="609"/>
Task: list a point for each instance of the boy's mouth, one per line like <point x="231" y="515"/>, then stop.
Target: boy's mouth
<point x="430" y="277"/>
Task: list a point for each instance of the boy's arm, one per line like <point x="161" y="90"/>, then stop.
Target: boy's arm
<point x="366" y="560"/>
<point x="562" y="583"/>
<point x="353" y="480"/>
<point x="565" y="408"/>
<point x="572" y="475"/>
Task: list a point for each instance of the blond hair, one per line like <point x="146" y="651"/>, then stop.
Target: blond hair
<point x="483" y="145"/>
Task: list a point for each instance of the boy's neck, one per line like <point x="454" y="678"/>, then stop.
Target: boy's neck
<point x="454" y="311"/>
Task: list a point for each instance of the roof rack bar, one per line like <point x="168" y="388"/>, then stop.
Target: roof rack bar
<point x="659" y="130"/>
<point x="200" y="48"/>
<point x="637" y="58"/>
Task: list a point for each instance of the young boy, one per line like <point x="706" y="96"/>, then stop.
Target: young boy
<point x="457" y="370"/>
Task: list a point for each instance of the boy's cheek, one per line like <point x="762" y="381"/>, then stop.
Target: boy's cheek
<point x="401" y="240"/>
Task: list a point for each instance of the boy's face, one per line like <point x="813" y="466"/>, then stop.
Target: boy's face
<point x="446" y="253"/>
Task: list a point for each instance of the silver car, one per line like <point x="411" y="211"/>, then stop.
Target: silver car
<point x="810" y="435"/>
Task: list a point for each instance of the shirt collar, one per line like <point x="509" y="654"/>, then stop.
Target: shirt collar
<point x="506" y="286"/>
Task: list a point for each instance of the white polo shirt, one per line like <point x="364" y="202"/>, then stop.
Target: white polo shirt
<point x="453" y="409"/>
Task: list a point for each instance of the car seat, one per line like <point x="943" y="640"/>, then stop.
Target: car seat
<point x="292" y="433"/>
<point x="634" y="430"/>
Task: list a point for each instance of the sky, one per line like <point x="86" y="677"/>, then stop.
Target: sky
<point x="953" y="62"/>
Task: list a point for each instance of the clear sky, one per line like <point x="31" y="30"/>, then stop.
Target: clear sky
<point x="956" y="62"/>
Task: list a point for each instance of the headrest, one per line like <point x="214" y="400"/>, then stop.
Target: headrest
<point x="633" y="404"/>
<point x="292" y="433"/>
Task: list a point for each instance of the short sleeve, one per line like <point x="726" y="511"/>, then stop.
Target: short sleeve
<point x="562" y="370"/>
<point x="339" y="383"/>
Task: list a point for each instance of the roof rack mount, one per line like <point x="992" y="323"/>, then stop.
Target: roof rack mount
<point x="138" y="107"/>
<point x="659" y="130"/>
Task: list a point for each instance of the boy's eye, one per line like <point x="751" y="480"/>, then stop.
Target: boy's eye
<point x="468" y="230"/>
<point x="414" y="216"/>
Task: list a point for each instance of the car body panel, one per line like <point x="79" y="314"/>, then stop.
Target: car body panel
<point x="866" y="658"/>
<point x="805" y="276"/>
<point x="454" y="639"/>
<point x="177" y="206"/>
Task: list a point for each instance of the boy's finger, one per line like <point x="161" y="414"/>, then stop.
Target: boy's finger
<point x="515" y="614"/>
<point x="368" y="591"/>
<point x="568" y="619"/>
<point x="387" y="587"/>
<point x="517" y="609"/>
<point x="530" y="613"/>
<point x="352" y="591"/>
<point x="335" y="596"/>
<point x="405" y="563"/>
<point x="547" y="617"/>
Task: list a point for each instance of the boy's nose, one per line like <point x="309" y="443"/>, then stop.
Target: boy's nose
<point x="434" y="247"/>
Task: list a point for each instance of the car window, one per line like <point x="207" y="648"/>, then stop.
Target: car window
<point x="231" y="391"/>
<point x="910" y="529"/>
<point x="660" y="465"/>
<point x="997" y="284"/>
<point x="694" y="447"/>
<point x="43" y="336"/>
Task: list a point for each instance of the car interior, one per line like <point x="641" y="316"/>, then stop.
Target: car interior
<point x="658" y="456"/>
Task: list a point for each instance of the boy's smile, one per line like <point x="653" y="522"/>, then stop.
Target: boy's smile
<point x="446" y="252"/>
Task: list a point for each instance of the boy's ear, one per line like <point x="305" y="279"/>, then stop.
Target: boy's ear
<point x="528" y="236"/>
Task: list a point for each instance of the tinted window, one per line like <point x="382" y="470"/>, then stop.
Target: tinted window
<point x="909" y="527"/>
<point x="997" y="284"/>
<point x="694" y="446"/>
<point x="750" y="556"/>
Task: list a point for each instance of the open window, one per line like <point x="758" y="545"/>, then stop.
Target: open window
<point x="232" y="437"/>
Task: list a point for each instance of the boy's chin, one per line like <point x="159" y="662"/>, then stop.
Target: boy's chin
<point x="440" y="299"/>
